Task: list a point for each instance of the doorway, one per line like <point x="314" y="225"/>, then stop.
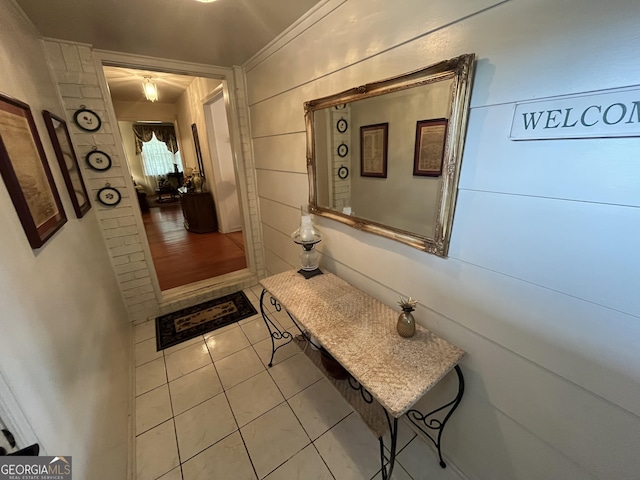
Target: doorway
<point x="183" y="254"/>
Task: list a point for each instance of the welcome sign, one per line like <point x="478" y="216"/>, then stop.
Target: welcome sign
<point x="607" y="114"/>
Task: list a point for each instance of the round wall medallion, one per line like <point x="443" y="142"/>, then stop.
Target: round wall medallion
<point x="341" y="106"/>
<point x="87" y="120"/>
<point x="343" y="172"/>
<point x="98" y="160"/>
<point x="343" y="150"/>
<point x="342" y="125"/>
<point x="109" y="196"/>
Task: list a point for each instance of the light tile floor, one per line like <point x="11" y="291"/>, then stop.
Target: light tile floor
<point x="210" y="408"/>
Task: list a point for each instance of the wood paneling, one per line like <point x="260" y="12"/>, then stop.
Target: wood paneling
<point x="542" y="266"/>
<point x="181" y="257"/>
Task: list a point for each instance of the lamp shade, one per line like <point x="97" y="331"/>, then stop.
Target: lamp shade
<point x="150" y="90"/>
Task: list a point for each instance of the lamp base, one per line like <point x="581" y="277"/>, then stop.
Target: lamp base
<point x="310" y="273"/>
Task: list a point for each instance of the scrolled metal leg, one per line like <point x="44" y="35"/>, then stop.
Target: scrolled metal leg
<point x="434" y="424"/>
<point x="387" y="470"/>
<point x="274" y="331"/>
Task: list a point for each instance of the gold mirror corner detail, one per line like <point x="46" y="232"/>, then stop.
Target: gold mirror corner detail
<point x="403" y="187"/>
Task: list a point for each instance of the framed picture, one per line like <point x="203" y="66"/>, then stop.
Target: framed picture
<point x="87" y="120"/>
<point x="68" y="161"/>
<point x="431" y="137"/>
<point x="98" y="160"/>
<point x="196" y="141"/>
<point x="26" y="173"/>
<point x="373" y="150"/>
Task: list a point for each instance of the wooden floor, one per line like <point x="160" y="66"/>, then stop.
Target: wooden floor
<point x="182" y="257"/>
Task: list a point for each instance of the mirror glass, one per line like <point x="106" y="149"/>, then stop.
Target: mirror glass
<point x="385" y="157"/>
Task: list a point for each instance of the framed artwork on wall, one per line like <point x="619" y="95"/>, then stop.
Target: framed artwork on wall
<point x="431" y="137"/>
<point x="26" y="173"/>
<point x="87" y="120"/>
<point x="373" y="150"/>
<point x="68" y="161"/>
<point x="196" y="141"/>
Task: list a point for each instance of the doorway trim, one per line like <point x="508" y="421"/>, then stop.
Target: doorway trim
<point x="239" y="133"/>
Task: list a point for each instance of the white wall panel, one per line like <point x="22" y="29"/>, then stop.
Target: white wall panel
<point x="571" y="247"/>
<point x="595" y="169"/>
<point x="530" y="37"/>
<point x="283" y="152"/>
<point x="544" y="326"/>
<point x="281" y="246"/>
<point x="540" y="284"/>
<point x="545" y="405"/>
<point x="275" y="264"/>
<point x="284" y="187"/>
<point x="359" y="29"/>
<point x="280" y="115"/>
<point x="283" y="218"/>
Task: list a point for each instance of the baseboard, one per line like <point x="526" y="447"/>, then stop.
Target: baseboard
<point x="429" y="443"/>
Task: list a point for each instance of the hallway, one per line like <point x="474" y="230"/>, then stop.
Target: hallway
<point x="209" y="408"/>
<point x="181" y="257"/>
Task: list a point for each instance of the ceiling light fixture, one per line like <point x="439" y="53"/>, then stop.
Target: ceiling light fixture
<point x="150" y="89"/>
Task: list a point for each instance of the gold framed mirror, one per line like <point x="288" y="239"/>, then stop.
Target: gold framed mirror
<point x="385" y="157"/>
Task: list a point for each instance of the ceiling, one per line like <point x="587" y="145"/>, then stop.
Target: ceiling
<point x="125" y="84"/>
<point x="222" y="33"/>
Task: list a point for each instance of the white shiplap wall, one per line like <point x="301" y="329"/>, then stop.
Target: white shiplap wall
<point x="541" y="283"/>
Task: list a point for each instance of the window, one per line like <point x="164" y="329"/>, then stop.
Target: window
<point x="157" y="159"/>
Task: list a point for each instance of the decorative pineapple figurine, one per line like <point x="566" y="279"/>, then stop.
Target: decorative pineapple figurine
<point x="406" y="323"/>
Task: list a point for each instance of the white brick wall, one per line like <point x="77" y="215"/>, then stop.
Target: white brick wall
<point x="74" y="70"/>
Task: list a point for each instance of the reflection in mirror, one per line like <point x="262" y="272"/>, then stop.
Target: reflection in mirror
<point x="400" y="140"/>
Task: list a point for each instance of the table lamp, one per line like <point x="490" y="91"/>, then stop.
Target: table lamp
<point x="307" y="236"/>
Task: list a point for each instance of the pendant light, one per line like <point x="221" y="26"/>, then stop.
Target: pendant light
<point x="150" y="89"/>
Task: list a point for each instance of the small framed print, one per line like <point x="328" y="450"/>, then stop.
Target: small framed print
<point x="373" y="150"/>
<point x="343" y="150"/>
<point x="431" y="136"/>
<point x="68" y="162"/>
<point x="26" y="173"/>
<point x="342" y="125"/>
<point x="98" y="160"/>
<point x="87" y="120"/>
<point x="109" y="196"/>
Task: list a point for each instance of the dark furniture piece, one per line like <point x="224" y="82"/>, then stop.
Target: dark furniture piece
<point x="142" y="200"/>
<point x="166" y="194"/>
<point x="169" y="190"/>
<point x="199" y="212"/>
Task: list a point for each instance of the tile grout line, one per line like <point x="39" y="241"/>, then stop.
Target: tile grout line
<point x="224" y="391"/>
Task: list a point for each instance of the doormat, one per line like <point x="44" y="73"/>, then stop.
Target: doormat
<point x="177" y="327"/>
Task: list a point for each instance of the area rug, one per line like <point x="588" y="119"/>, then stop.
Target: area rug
<point x="174" y="328"/>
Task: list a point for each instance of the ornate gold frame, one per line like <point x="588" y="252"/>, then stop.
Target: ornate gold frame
<point x="461" y="70"/>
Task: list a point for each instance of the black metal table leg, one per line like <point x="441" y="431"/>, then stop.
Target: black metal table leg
<point x="434" y="424"/>
<point x="387" y="470"/>
<point x="274" y="332"/>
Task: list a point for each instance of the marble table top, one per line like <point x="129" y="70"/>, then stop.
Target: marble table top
<point x="360" y="332"/>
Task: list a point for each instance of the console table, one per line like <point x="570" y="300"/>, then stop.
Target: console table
<point x="388" y="373"/>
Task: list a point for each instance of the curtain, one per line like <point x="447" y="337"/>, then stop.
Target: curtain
<point x="165" y="133"/>
<point x="157" y="159"/>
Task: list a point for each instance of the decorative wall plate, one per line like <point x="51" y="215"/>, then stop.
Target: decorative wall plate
<point x="341" y="106"/>
<point x="343" y="172"/>
<point x="98" y="160"/>
<point x="342" y="125"/>
<point x="87" y="120"/>
<point x="109" y="196"/>
<point x="343" y="150"/>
